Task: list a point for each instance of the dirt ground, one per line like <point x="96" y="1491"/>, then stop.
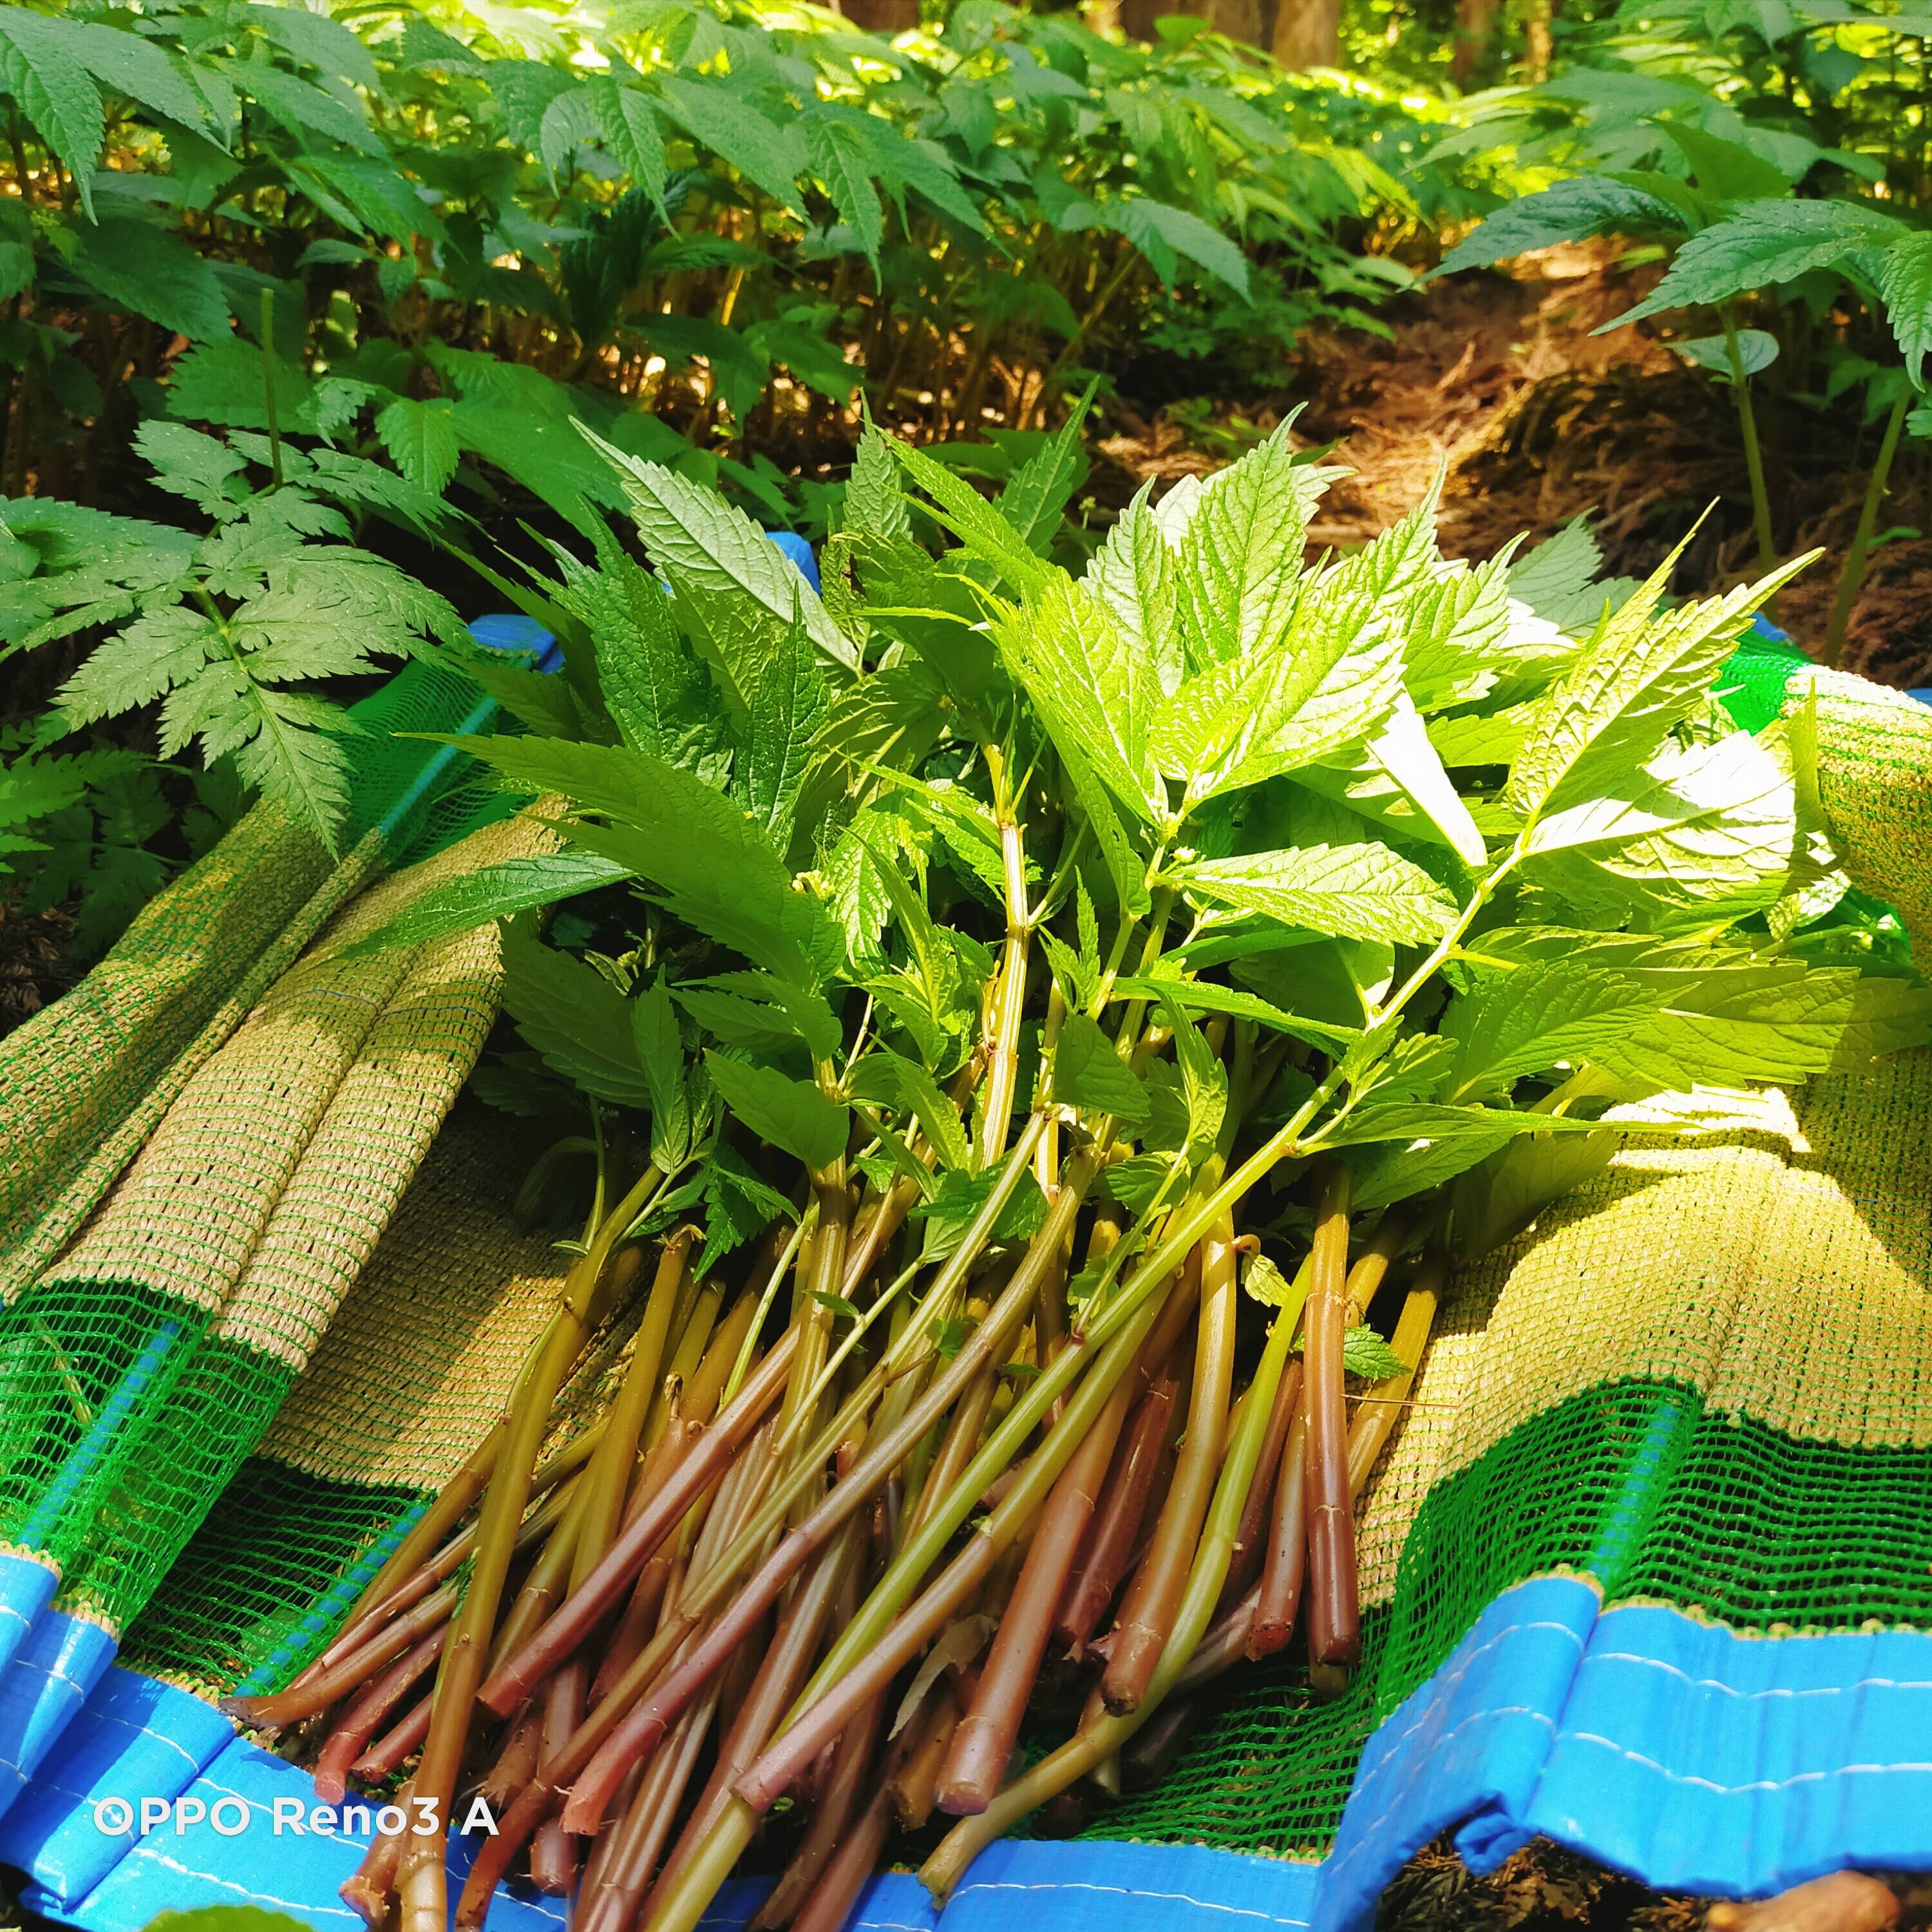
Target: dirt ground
<point x="1544" y="1888"/>
<point x="1499" y="378"/>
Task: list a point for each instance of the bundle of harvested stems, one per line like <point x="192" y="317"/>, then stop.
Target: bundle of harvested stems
<point x="1083" y="1004"/>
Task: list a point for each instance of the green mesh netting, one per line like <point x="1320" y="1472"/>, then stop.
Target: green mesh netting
<point x="1752" y="686"/>
<point x="423" y="1353"/>
<point x="139" y="1370"/>
<point x="1637" y="1484"/>
<point x="260" y="1588"/>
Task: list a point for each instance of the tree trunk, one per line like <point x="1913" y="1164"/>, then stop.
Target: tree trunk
<point x="1475" y="22"/>
<point x="1308" y="33"/>
<point x="881" y="17"/>
<point x="1239" y="19"/>
<point x="1244" y="20"/>
<point x="1540" y="40"/>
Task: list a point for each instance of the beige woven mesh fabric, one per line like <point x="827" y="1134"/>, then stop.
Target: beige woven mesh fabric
<point x="423" y="1355"/>
<point x="1875" y="783"/>
<point x="266" y="1188"/>
<point x="86" y="1080"/>
<point x="1781" y="1266"/>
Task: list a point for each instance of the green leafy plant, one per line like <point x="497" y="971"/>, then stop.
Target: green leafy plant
<point x="1737" y="233"/>
<point x="993" y="952"/>
<point x="724" y="223"/>
<point x="224" y="630"/>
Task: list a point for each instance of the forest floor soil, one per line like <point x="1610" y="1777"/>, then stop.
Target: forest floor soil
<point x="1498" y="382"/>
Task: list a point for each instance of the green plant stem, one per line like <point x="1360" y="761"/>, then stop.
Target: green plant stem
<point x="1853" y="573"/>
<point x="421" y="1880"/>
<point x="1333" y="1617"/>
<point x="742" y="1366"/>
<point x="1003" y="1046"/>
<point x="268" y="384"/>
<point x="887" y="1450"/>
<point x="680" y="1909"/>
<point x="1767" y="546"/>
<point x="1153" y="1597"/>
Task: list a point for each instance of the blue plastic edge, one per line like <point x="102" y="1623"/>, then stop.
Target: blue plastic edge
<point x="51" y="1676"/>
<point x="27" y="1587"/>
<point x="1084" y="1887"/>
<point x="1693" y="1757"/>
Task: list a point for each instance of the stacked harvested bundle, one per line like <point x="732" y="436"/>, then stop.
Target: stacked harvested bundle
<point x="1019" y="968"/>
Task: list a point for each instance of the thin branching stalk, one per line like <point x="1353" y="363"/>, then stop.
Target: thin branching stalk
<point x="1767" y="543"/>
<point x="1852" y="575"/>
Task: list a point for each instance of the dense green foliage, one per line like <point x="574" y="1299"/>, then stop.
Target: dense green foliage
<point x="703" y="214"/>
<point x="396" y="258"/>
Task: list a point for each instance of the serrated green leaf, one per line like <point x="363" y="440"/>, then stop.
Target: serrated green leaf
<point x="706" y="547"/>
<point x="152" y="272"/>
<point x="739" y="1206"/>
<point x="499" y="891"/>
<point x="1474" y="740"/>
<point x="1136" y="577"/>
<point x="42" y="66"/>
<point x="1354" y="891"/>
<point x="1364" y="1353"/>
<point x="841" y="157"/>
<point x="1188" y="235"/>
<point x="1716" y="1018"/>
<point x="778" y="695"/>
<point x="656" y="692"/>
<point x="710" y="862"/>
<point x="1904" y="272"/>
<point x="1137" y="1182"/>
<point x="984" y="534"/>
<point x="1570" y="211"/>
<point x="1703" y="837"/>
<point x="1265" y="1282"/>
<point x="1640" y="676"/>
<point x="136" y="68"/>
<point x="661" y="1054"/>
<point x="630" y="130"/>
<point x="1203" y="1080"/>
<point x="892" y="1080"/>
<point x="421" y="442"/>
<point x="1336" y="678"/>
<point x="1238" y="569"/>
<point x="1087" y="1072"/>
<point x="573" y="1016"/>
<point x="1413" y="1121"/>
<point x="1402" y="753"/>
<point x="302" y="108"/>
<point x="1887" y="1016"/>
<point x="1201" y="996"/>
<point x="1763" y="243"/>
<point x="711" y="114"/>
<point x="1095" y="692"/>
<point x="792" y="1114"/>
<point x="1036" y="494"/>
<point x="951" y="1209"/>
<point x="1537" y="1017"/>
